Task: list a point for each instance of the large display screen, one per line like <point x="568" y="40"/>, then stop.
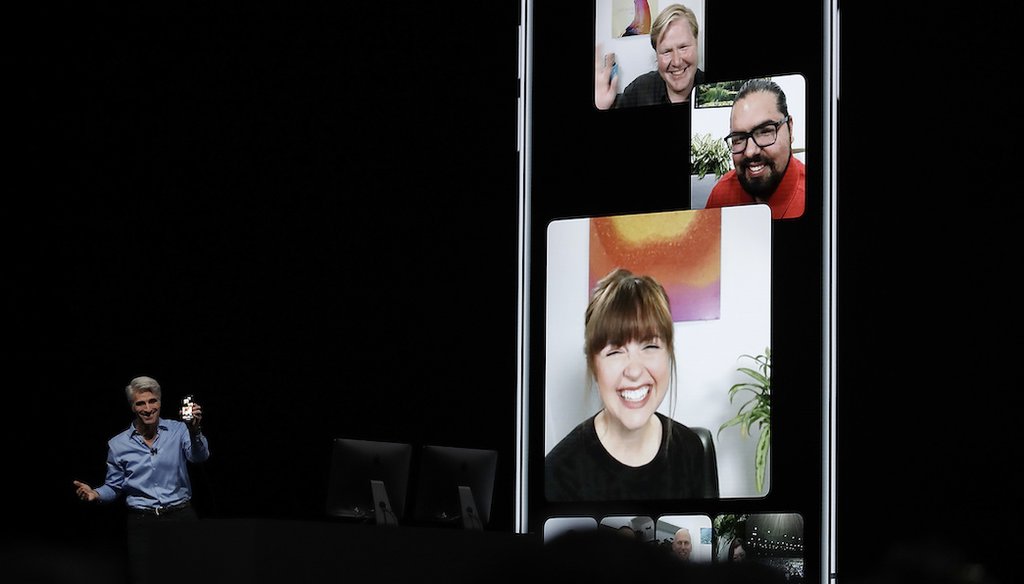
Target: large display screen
<point x="676" y="307"/>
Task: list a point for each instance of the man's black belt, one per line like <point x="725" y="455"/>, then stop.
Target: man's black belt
<point x="159" y="510"/>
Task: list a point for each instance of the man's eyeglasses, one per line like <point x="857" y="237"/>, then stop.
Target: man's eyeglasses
<point x="764" y="136"/>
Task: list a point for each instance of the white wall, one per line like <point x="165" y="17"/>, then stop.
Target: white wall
<point x="707" y="352"/>
<point x="634" y="54"/>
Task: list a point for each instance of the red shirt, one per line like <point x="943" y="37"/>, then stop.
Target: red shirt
<point x="786" y="202"/>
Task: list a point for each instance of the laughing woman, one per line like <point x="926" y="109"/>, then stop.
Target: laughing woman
<point x="628" y="450"/>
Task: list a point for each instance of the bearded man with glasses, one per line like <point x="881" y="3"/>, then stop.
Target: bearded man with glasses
<point x="761" y="141"/>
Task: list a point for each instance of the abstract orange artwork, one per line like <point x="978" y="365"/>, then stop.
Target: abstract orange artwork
<point x="681" y="249"/>
<point x="630" y="18"/>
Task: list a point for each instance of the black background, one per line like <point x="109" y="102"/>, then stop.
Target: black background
<point x="306" y="218"/>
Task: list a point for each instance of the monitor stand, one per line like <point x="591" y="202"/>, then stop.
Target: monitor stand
<point x="470" y="517"/>
<point x="382" y="505"/>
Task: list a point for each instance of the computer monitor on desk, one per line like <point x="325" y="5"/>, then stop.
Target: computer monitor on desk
<point x="369" y="480"/>
<point x="455" y="486"/>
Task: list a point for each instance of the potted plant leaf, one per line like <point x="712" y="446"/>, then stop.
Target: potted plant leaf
<point x="708" y="156"/>
<point x="755" y="410"/>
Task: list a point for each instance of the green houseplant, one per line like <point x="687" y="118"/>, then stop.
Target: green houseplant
<point x="756" y="410"/>
<point x="709" y="156"/>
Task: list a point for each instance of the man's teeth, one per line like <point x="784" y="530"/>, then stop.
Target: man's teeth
<point x="635" y="394"/>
